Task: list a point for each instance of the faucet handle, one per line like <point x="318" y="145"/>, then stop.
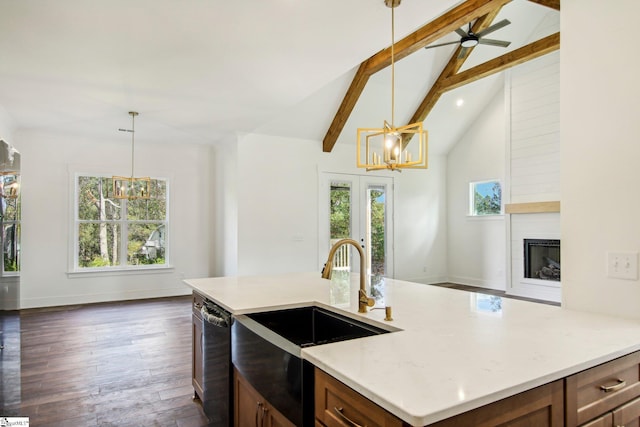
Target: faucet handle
<point x="364" y="299"/>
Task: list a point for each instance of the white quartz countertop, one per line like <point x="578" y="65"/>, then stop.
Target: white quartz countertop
<point x="454" y="350"/>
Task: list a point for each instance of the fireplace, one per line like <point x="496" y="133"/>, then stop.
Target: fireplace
<point x="542" y="259"/>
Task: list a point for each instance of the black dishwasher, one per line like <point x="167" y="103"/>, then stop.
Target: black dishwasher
<point x="217" y="388"/>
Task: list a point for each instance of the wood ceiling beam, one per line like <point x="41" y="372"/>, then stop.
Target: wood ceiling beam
<point x="346" y="107"/>
<point x="553" y="4"/>
<point x="427" y="34"/>
<point x="452" y="67"/>
<point x="511" y="59"/>
<point x="434" y="30"/>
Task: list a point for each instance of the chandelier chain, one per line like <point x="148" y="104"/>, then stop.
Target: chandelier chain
<point x="393" y="81"/>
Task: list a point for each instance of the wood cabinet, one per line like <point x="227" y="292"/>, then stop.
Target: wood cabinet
<point x="337" y="405"/>
<point x="539" y="407"/>
<point x="197" y="378"/>
<point x="605" y="395"/>
<point x="251" y="409"/>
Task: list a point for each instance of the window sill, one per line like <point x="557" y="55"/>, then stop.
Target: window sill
<point x="124" y="271"/>
<point x="485" y="217"/>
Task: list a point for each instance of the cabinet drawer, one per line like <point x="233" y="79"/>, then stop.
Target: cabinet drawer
<point x="197" y="301"/>
<point x="335" y="403"/>
<point x="591" y="393"/>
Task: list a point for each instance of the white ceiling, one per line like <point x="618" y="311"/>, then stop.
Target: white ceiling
<point x="198" y="70"/>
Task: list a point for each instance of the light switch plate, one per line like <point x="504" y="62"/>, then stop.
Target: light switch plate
<point x="622" y="265"/>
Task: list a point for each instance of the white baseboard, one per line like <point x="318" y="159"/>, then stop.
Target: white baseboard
<point x="26" y="303"/>
<point x="426" y="280"/>
<point x="480" y="283"/>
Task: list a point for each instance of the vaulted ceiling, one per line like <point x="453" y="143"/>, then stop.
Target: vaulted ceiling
<point x="199" y="70"/>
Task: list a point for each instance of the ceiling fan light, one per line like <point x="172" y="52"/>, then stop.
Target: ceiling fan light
<point x="469" y="41"/>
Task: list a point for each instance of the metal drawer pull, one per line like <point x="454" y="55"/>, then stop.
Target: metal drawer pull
<point x="345" y="419"/>
<point x="621" y="384"/>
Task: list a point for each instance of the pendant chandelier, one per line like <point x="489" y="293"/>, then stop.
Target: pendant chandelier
<point x="131" y="188"/>
<point x="392" y="147"/>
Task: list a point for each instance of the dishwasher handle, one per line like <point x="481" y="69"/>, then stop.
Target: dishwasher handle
<point x="215" y="315"/>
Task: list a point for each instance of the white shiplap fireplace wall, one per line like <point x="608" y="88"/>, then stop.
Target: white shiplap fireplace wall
<point x="532" y="93"/>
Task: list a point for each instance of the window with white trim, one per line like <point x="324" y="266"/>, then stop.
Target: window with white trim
<point x="10" y="224"/>
<point x="485" y="198"/>
<point x="116" y="234"/>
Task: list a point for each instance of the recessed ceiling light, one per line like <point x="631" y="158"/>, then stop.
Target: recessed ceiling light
<point x="459" y="102"/>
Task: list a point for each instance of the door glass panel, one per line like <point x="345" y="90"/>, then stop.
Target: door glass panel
<point x="340" y="228"/>
<point x="376" y="227"/>
<point x="376" y="239"/>
<point x="340" y="211"/>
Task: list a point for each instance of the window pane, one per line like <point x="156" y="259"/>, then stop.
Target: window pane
<point x="11" y="247"/>
<point x="93" y="201"/>
<point x="486" y="198"/>
<point x="146" y="244"/>
<point x="10" y="209"/>
<point x="98" y="244"/>
<point x="340" y="210"/>
<point x="152" y="209"/>
<point x="377" y="229"/>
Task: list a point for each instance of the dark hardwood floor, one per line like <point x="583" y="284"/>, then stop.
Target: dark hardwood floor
<point x="115" y="364"/>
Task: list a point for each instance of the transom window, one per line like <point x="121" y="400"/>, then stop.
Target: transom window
<point x="119" y="234"/>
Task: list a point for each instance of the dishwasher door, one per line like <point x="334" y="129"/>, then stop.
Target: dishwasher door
<point x="216" y="354"/>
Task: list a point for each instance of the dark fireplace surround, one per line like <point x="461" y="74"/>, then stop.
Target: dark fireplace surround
<point x="542" y="259"/>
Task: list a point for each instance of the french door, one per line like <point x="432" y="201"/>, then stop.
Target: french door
<point x="361" y="208"/>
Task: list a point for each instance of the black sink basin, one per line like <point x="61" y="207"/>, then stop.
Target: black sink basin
<point x="308" y="326"/>
<point x="266" y="350"/>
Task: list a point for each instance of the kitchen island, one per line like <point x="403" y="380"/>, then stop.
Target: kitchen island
<point x="451" y="351"/>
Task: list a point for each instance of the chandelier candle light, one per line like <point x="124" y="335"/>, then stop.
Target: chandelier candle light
<point x="131" y="188"/>
<point x="388" y="147"/>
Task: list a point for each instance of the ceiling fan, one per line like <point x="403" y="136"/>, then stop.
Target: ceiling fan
<point x="469" y="39"/>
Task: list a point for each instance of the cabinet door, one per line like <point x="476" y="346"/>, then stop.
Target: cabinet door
<point x="274" y="418"/>
<point x="628" y="415"/>
<point x="248" y="404"/>
<point x="196" y="355"/>
<point x="539" y="407"/>
<point x="250" y="408"/>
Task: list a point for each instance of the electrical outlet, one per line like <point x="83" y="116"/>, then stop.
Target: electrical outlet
<point x="622" y="265"/>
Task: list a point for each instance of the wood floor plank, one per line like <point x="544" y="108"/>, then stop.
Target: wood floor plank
<point x="114" y="364"/>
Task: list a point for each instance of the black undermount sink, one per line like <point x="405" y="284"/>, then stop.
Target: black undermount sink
<point x="308" y="326"/>
<point x="266" y="350"/>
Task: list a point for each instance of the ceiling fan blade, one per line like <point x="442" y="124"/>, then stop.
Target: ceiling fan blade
<point x="493" y="28"/>
<point x="441" y="44"/>
<point x="463" y="52"/>
<point x="491" y="42"/>
<point x="461" y="32"/>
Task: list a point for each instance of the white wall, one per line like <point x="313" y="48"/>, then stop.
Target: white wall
<point x="421" y="223"/>
<point x="600" y="153"/>
<point x="477" y="245"/>
<point x="48" y="162"/>
<point x="277" y="202"/>
<point x="224" y="208"/>
<point x="6" y="126"/>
